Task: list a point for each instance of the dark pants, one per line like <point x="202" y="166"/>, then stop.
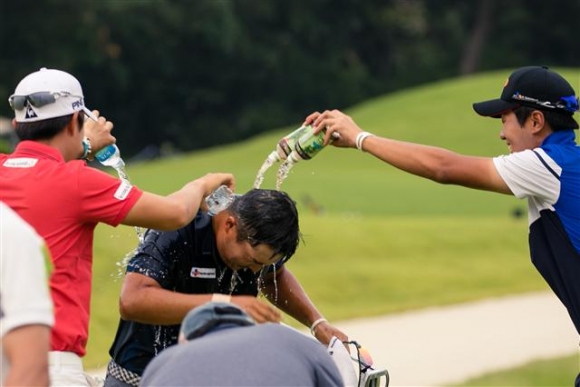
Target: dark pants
<point x="577" y="382"/>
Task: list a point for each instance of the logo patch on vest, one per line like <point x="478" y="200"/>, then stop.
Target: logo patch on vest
<point x="202" y="272"/>
<point x="123" y="190"/>
<point x="22" y="162"/>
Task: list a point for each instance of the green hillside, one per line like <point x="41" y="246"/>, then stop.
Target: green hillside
<point x="377" y="240"/>
<point x="347" y="181"/>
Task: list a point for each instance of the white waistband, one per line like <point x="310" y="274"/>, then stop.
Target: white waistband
<point x="64" y="358"/>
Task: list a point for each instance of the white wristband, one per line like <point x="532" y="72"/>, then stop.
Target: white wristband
<point x="217" y="297"/>
<point x="360" y="138"/>
<point x="315" y="324"/>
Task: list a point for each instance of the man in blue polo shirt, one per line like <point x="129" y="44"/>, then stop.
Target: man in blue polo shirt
<point x="536" y="108"/>
<point x="221" y="345"/>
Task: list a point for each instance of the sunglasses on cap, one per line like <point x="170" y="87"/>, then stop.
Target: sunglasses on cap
<point x="569" y="103"/>
<point x="38" y="99"/>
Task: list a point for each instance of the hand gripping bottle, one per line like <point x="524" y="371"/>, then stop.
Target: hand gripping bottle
<point x="219" y="200"/>
<point x="110" y="156"/>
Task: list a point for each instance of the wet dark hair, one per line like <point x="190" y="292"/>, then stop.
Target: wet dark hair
<point x="557" y="121"/>
<point x="268" y="217"/>
<point x="45" y="129"/>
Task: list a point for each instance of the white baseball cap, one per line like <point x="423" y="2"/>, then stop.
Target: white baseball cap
<point x="45" y="94"/>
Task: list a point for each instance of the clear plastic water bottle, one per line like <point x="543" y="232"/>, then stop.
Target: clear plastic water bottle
<point x="110" y="156"/>
<point x="219" y="200"/>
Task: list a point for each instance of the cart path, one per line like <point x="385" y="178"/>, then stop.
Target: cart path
<point x="444" y="345"/>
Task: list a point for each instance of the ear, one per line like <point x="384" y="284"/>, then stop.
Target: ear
<point x="230" y="223"/>
<point x="72" y="127"/>
<point x="229" y="227"/>
<point x="538" y="120"/>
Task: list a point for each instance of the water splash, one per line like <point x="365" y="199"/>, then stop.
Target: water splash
<point x="283" y="172"/>
<point x="260" y="177"/>
<point x="157" y="339"/>
<point x="122" y="172"/>
<point x="234" y="280"/>
<point x="122" y="264"/>
<point x="221" y="276"/>
<point x="140" y="231"/>
<point x="275" y="280"/>
<point x="123" y="175"/>
<point x="261" y="282"/>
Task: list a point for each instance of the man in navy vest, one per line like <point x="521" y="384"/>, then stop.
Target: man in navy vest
<point x="536" y="109"/>
<point x="228" y="257"/>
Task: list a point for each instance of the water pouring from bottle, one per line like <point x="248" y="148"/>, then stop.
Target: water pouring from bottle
<point x="110" y="156"/>
<point x="283" y="148"/>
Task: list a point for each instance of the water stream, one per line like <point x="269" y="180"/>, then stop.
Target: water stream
<point x="283" y="172"/>
<point x="260" y="177"/>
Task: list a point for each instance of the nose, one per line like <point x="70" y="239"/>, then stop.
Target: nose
<point x="501" y="135"/>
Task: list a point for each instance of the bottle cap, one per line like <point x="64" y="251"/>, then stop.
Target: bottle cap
<point x="273" y="157"/>
<point x="294" y="157"/>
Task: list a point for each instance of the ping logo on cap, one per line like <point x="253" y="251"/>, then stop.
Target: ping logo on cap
<point x="77" y="105"/>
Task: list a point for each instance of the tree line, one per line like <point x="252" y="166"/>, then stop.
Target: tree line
<point x="199" y="73"/>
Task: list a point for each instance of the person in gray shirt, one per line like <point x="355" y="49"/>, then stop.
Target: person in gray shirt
<point x="220" y="345"/>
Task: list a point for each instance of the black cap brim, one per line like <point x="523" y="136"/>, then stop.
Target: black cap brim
<point x="494" y="108"/>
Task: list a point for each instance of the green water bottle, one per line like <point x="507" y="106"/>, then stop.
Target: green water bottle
<point x="286" y="145"/>
<point x="308" y="145"/>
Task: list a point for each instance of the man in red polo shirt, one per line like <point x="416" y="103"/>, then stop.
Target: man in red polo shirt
<point x="48" y="184"/>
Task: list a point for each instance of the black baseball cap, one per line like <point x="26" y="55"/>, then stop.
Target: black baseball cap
<point x="534" y="86"/>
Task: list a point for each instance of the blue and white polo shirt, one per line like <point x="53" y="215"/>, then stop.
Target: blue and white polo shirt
<point x="549" y="177"/>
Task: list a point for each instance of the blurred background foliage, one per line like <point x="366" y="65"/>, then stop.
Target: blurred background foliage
<point x="180" y="75"/>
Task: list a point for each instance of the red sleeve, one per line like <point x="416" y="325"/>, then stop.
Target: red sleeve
<point x="105" y="198"/>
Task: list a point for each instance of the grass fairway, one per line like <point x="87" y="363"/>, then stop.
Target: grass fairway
<point x="559" y="372"/>
<point x="381" y="240"/>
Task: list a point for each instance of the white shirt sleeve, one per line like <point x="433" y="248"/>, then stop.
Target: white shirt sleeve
<point x="530" y="174"/>
<point x="24" y="295"/>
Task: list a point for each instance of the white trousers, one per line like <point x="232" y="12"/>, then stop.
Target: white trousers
<point x="66" y="369"/>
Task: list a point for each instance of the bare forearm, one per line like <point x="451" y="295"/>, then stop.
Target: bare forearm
<point x="177" y="209"/>
<point x="421" y="160"/>
<point x="293" y="300"/>
<point x="290" y="297"/>
<point x="27" y="351"/>
<point x="189" y="197"/>
<point x="438" y="164"/>
<point x="159" y="306"/>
